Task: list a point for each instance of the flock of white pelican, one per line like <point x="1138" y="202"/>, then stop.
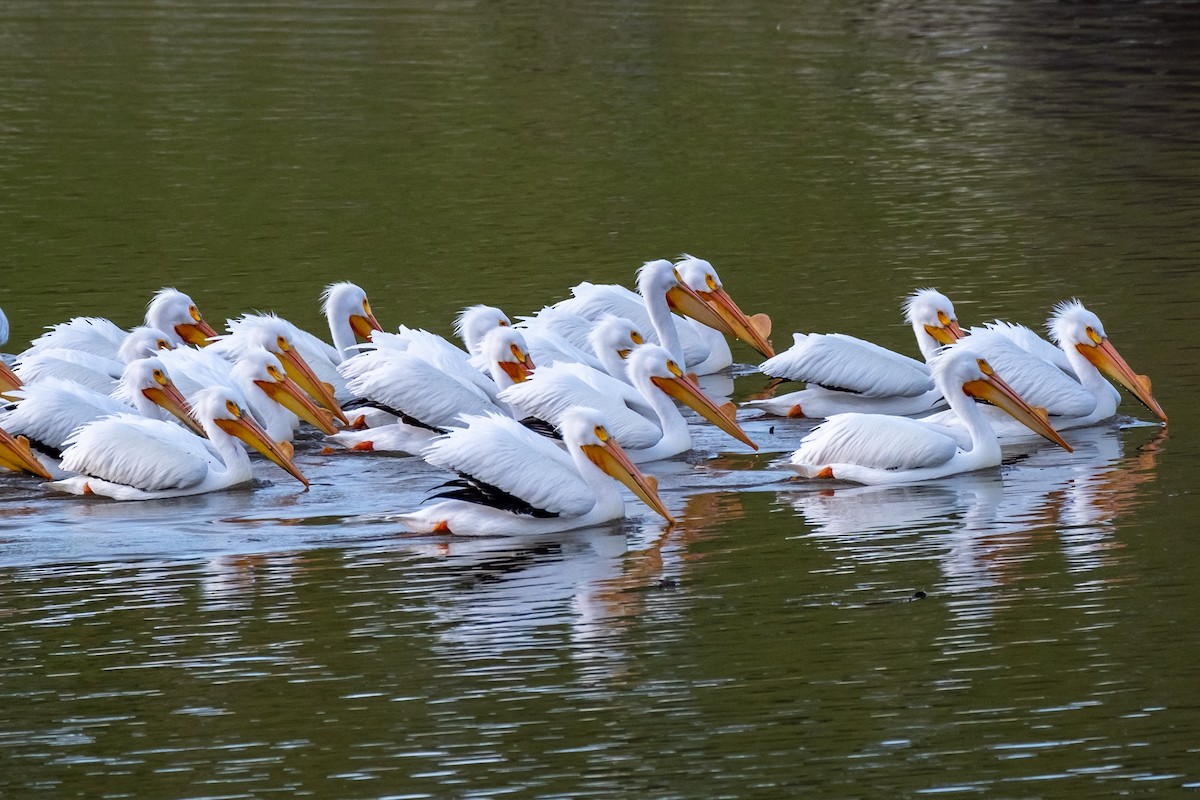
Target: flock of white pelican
<point x="535" y="419"/>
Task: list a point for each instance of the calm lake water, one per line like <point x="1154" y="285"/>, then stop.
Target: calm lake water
<point x="827" y="157"/>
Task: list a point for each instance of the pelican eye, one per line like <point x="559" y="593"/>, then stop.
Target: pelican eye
<point x="282" y="344"/>
<point x="675" y="272"/>
<point x="710" y="282"/>
<point x="624" y="353"/>
<point x="943" y="318"/>
<point x="159" y="377"/>
<point x="674" y="369"/>
<point x="503" y="323"/>
<point x="985" y="367"/>
<point x="517" y="354"/>
<point x="366" y="307"/>
<point x="601" y="434"/>
<point x="163" y="344"/>
<point x="195" y="312"/>
<point x="1095" y="337"/>
<point x="273" y="371"/>
<point x="233" y="409"/>
<point x="636" y="338"/>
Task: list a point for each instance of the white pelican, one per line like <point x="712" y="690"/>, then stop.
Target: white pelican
<point x="474" y="321"/>
<point x="660" y="289"/>
<point x="556" y="335"/>
<point x="552" y="391"/>
<point x="512" y="481"/>
<point x="699" y="275"/>
<point x="95" y="371"/>
<point x="128" y="457"/>
<point x="848" y="374"/>
<point x="881" y="449"/>
<point x="170" y="311"/>
<point x="280" y="337"/>
<point x="425" y="391"/>
<point x="16" y="455"/>
<point x="259" y="383"/>
<point x="1085" y="398"/>
<point x="50" y="410"/>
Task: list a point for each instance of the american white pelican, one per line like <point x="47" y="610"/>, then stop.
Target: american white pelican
<point x="1085" y="398"/>
<point x="660" y="289"/>
<point x="699" y="275"/>
<point x="279" y="337"/>
<point x="16" y="455"/>
<point x="512" y="481"/>
<point x="848" y="374"/>
<point x="50" y="410"/>
<point x="881" y="449"/>
<point x="474" y="321"/>
<point x="170" y="311"/>
<point x="128" y="457"/>
<point x="425" y="390"/>
<point x="259" y="383"/>
<point x="556" y="335"/>
<point x="552" y="391"/>
<point x="95" y="371"/>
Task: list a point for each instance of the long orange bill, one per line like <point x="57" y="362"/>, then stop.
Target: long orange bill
<point x="287" y="393"/>
<point x="751" y="330"/>
<point x="519" y="369"/>
<point x="299" y="371"/>
<point x="364" y="324"/>
<point x="197" y="333"/>
<point x="251" y="433"/>
<point x="16" y="455"/>
<point x="614" y="461"/>
<point x="946" y="331"/>
<point x="168" y="396"/>
<point x="1106" y="359"/>
<point x="688" y="392"/>
<point x="8" y="379"/>
<point x="995" y="391"/>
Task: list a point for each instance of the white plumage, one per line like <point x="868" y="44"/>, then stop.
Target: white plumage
<point x="127" y="457"/>
<point x="881" y="449"/>
<point x="848" y="374"/>
<point x="514" y="481"/>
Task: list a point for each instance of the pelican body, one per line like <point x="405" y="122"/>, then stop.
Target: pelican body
<point x="512" y="481"/>
<point x="884" y="449"/>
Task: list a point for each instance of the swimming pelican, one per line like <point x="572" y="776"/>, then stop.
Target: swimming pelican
<point x="50" y="410"/>
<point x="848" y="374"/>
<point x="128" y="457"/>
<point x="1085" y="398"/>
<point x="425" y="391"/>
<point x="699" y="275"/>
<point x="512" y="481"/>
<point x="93" y="370"/>
<point x="280" y="337"/>
<point x="881" y="449"/>
<point x="259" y="383"/>
<point x="551" y="392"/>
<point x="474" y="321"/>
<point x="170" y="311"/>
<point x="660" y="289"/>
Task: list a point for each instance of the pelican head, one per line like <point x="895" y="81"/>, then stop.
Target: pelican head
<point x="931" y="315"/>
<point x="505" y="347"/>
<point x="266" y="371"/>
<point x="173" y="311"/>
<point x="143" y="341"/>
<point x="699" y="276"/>
<point x="219" y="407"/>
<point x="614" y="334"/>
<point x="474" y="321"/>
<point x="148" y="377"/>
<point x="1072" y="325"/>
<point x="654" y="362"/>
<point x="584" y="428"/>
<point x="963" y="366"/>
<point x="347" y="302"/>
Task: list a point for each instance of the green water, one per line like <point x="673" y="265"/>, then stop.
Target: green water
<point x="827" y="158"/>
